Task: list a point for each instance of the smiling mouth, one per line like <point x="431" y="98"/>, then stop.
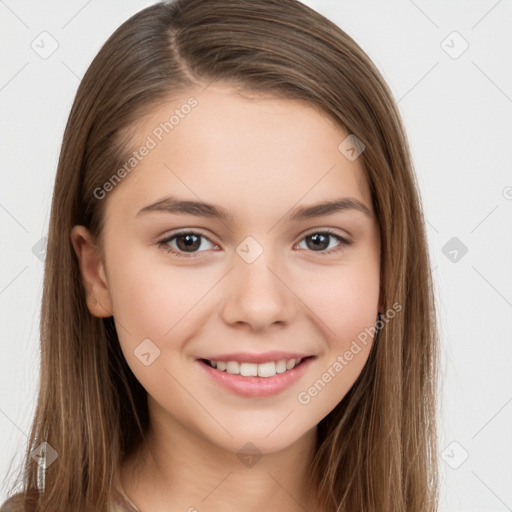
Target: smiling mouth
<point x="264" y="370"/>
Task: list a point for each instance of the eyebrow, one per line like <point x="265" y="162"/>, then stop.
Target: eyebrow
<point x="201" y="209"/>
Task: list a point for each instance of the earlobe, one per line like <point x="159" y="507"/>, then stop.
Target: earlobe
<point x="92" y="271"/>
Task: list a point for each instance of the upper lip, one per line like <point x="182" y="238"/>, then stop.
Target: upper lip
<point x="264" y="357"/>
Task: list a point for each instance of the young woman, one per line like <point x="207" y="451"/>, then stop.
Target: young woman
<point x="238" y="310"/>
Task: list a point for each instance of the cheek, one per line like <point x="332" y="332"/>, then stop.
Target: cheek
<point x="151" y="298"/>
<point x="345" y="304"/>
<point x="154" y="306"/>
<point x="345" y="300"/>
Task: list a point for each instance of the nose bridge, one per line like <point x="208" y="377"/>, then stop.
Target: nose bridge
<point x="257" y="294"/>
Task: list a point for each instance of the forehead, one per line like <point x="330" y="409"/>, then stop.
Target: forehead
<point x="253" y="152"/>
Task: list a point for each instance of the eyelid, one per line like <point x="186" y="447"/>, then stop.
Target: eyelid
<point x="332" y="231"/>
<point x="311" y="231"/>
<point x="186" y="231"/>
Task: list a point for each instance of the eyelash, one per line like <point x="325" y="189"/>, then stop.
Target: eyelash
<point x="163" y="244"/>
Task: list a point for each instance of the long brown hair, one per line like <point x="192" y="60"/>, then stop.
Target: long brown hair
<point x="377" y="449"/>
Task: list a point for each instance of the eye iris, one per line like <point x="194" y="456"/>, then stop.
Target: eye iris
<point x="318" y="237"/>
<point x="189" y="242"/>
<point x="192" y="242"/>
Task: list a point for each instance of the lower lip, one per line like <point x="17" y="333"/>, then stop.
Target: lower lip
<point x="256" y="387"/>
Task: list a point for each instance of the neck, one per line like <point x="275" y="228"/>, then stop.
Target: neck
<point x="176" y="469"/>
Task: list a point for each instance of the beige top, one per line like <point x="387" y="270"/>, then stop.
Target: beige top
<point x="122" y="503"/>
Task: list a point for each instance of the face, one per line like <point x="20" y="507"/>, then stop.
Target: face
<point x="250" y="276"/>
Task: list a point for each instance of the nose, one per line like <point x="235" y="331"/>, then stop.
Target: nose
<point x="257" y="294"/>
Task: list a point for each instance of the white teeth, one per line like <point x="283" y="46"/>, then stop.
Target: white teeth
<point x="281" y="366"/>
<point x="253" y="369"/>
<point x="267" y="369"/>
<point x="233" y="367"/>
<point x="249" y="369"/>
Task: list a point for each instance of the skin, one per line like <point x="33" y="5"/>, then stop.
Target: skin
<point x="259" y="158"/>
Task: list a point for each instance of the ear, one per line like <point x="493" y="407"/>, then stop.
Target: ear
<point x="93" y="272"/>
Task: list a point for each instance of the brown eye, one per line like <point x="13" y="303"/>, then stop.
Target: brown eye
<point x="189" y="242"/>
<point x="320" y="241"/>
<point x="186" y="243"/>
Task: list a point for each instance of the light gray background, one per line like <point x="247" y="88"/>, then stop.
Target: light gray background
<point x="457" y="111"/>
